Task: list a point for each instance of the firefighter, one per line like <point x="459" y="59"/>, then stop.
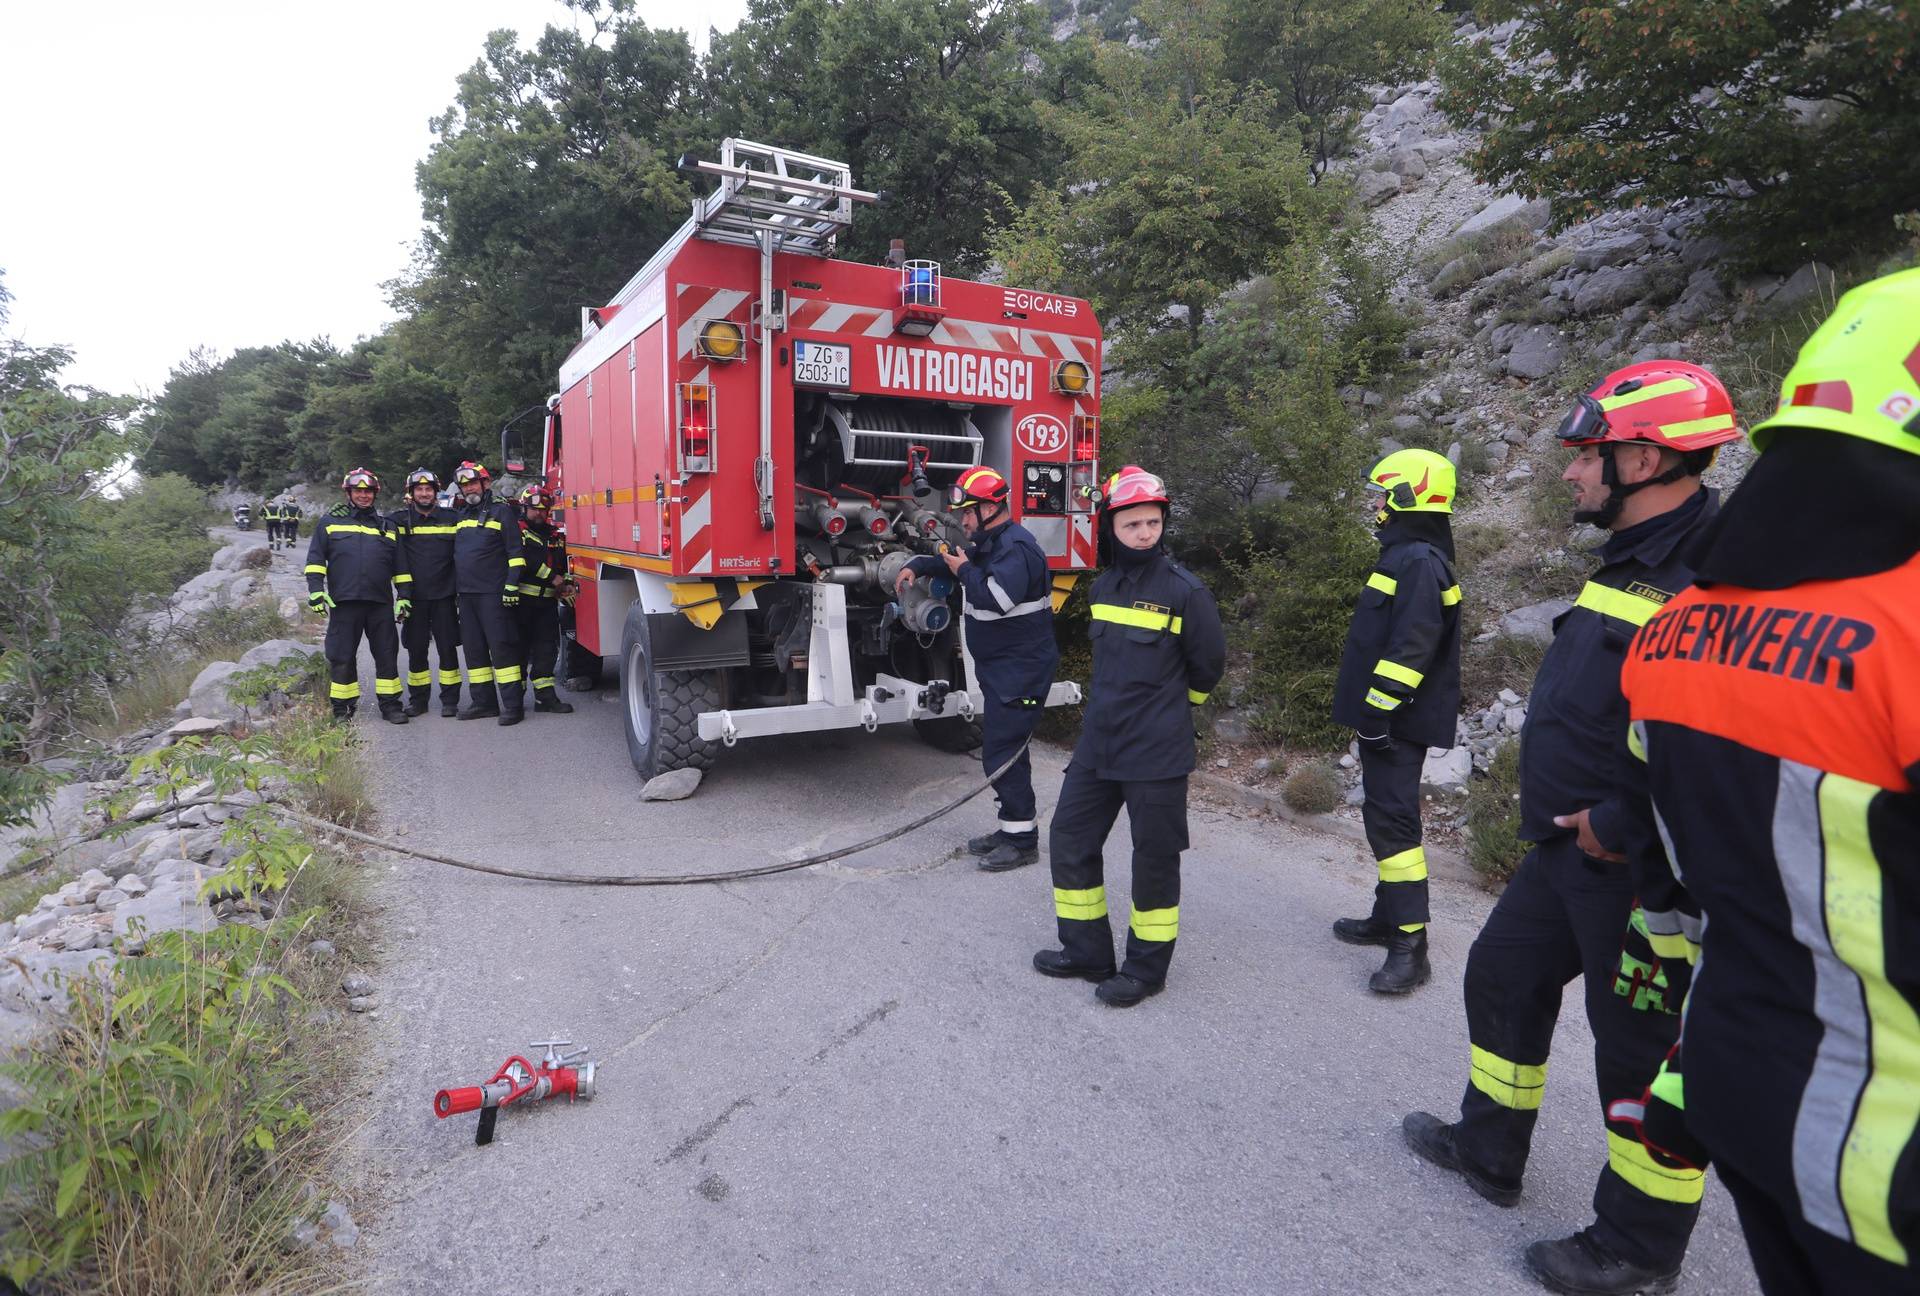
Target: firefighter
<point x="544" y="582"/>
<point x="269" y="515"/>
<point x="488" y="568"/>
<point x="1399" y="689"/>
<point x="353" y="568"/>
<point x="1158" y="650"/>
<point x="1641" y="439"/>
<point x="1777" y="707"/>
<point x="426" y="545"/>
<point x="1010" y="634"/>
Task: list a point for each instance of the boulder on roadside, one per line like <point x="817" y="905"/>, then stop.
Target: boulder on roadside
<point x="275" y="650"/>
<point x="208" y="695"/>
<point x="674" y="785"/>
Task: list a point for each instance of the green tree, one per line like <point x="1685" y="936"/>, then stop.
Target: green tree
<point x="1319" y="56"/>
<point x="378" y="408"/>
<point x="1798" y="123"/>
<point x="232" y="420"/>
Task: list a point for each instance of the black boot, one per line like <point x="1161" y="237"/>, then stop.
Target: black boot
<point x="1057" y="963"/>
<point x="1406" y="966"/>
<point x="1583" y="1265"/>
<point x="985" y="843"/>
<point x="1014" y="851"/>
<point x="1361" y="931"/>
<point x="449" y="702"/>
<point x="1123" y="991"/>
<point x="513" y="706"/>
<point x="416" y="704"/>
<point x="342" y="711"/>
<point x="545" y="699"/>
<point x="1433" y="1139"/>
<point x="482" y="704"/>
<point x="392" y="712"/>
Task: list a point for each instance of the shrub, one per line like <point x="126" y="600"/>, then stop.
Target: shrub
<point x="256" y="559"/>
<point x="1494" y="848"/>
<point x="1461" y="262"/>
<point x="1504" y="661"/>
<point x="1314" y="788"/>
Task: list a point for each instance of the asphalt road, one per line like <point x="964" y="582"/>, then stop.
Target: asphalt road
<point x="849" y="1079"/>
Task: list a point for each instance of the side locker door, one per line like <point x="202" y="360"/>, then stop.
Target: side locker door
<point x="620" y="378"/>
<point x="652" y="439"/>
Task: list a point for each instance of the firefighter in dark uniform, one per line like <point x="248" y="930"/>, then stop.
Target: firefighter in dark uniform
<point x="542" y="584"/>
<point x="488" y="568"/>
<point x="1009" y="612"/>
<point x="269" y="514"/>
<point x="1641" y="439"/>
<point x="1777" y="708"/>
<point x="289" y="521"/>
<point x="353" y="563"/>
<point x="1158" y="651"/>
<point x="1399" y="689"/>
<point x="426" y="545"/>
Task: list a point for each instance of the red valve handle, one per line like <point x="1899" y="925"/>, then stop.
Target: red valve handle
<point x="451" y="1102"/>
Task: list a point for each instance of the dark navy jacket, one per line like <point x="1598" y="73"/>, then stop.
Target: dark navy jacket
<point x="426" y="551"/>
<point x="353" y="556"/>
<point x="1400" y="670"/>
<point x="1009" y="612"/>
<point x="1573" y="747"/>
<point x="486" y="547"/>
<point x="1158" y="650"/>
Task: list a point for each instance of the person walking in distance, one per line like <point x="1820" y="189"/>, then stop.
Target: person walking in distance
<point x="1641" y="439"/>
<point x="426" y="530"/>
<point x="488" y="567"/>
<point x="1158" y="650"/>
<point x="1399" y="688"/>
<point x="353" y="564"/>
<point x="1776" y="708"/>
<point x="1009" y="608"/>
<point x="544" y="578"/>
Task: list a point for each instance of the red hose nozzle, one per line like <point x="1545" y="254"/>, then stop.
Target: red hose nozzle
<point x="451" y="1102"/>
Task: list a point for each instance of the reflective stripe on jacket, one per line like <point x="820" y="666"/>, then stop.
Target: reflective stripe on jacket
<point x="354" y="556"/>
<point x="426" y="544"/>
<point x="1400" y="669"/>
<point x="486" y="548"/>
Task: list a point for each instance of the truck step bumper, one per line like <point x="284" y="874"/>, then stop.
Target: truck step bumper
<point x="887" y="701"/>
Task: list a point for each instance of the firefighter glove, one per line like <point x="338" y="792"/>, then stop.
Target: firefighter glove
<point x="510" y="597"/>
<point x="1661" y="1125"/>
<point x="401" y="609"/>
<point x="1382" y="741"/>
<point x="320" y="601"/>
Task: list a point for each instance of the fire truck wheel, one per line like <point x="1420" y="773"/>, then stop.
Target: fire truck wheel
<point x="578" y="667"/>
<point x="949" y="734"/>
<point x="663" y="707"/>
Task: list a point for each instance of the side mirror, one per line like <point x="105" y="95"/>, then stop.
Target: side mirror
<point x="518" y="467"/>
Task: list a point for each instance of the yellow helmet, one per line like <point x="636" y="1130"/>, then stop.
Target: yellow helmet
<point x="1415" y="481"/>
<point x="1859" y="374"/>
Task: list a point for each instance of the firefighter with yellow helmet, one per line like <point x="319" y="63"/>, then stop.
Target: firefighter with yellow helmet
<point x="1776" y="706"/>
<point x="1158" y="650"/>
<point x="1399" y="690"/>
<point x="1593" y="900"/>
<point x="1009" y="609"/>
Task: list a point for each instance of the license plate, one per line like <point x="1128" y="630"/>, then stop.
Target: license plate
<point x="822" y="364"/>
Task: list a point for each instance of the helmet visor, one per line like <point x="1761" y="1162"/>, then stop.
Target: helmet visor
<point x="957" y="498"/>
<point x="1584" y="424"/>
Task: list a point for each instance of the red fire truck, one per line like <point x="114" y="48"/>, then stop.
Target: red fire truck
<point x="752" y="438"/>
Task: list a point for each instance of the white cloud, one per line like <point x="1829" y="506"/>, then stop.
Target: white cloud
<point x="228" y="174"/>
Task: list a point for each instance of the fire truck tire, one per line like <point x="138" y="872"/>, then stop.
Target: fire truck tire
<point x="949" y="734"/>
<point x="662" y="710"/>
<point x="579" y="668"/>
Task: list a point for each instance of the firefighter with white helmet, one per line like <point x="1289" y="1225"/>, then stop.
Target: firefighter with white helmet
<point x="1399" y="690"/>
<point x="1158" y="650"/>
<point x="1594" y="899"/>
<point x="1010" y="636"/>
<point x="488" y="567"/>
<point x="353" y="569"/>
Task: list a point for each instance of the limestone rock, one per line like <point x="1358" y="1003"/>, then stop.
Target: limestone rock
<point x="1611" y="288"/>
<point x="674" y="785"/>
<point x="1374" y="187"/>
<point x="1534" y="622"/>
<point x="1446" y="772"/>
<point x="1609" y="250"/>
<point x="209" y="692"/>
<point x="1537" y="352"/>
<point x="276" y="650"/>
<point x="1810" y="282"/>
<point x="1511" y="207"/>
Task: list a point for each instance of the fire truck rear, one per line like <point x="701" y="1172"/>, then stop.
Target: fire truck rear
<point x="753" y="438"/>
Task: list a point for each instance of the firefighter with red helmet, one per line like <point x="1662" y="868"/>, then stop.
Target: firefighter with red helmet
<point x="353" y="570"/>
<point x="488" y="568"/>
<point x="1641" y="440"/>
<point x="1776" y="706"/>
<point x="426" y="530"/>
<point x="1399" y="689"/>
<point x="1158" y="650"/>
<point x="542" y="581"/>
<point x="1009" y="611"/>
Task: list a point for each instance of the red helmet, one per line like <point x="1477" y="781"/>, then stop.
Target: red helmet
<point x="470" y="471"/>
<point x="1134" y="485"/>
<point x="536" y="496"/>
<point x="359" y="479"/>
<point x="978" y="486"/>
<point x="1667" y="402"/>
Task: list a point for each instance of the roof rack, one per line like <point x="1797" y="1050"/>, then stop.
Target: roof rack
<point x="799" y="202"/>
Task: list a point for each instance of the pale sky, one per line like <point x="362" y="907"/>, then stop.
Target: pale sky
<point x="227" y="173"/>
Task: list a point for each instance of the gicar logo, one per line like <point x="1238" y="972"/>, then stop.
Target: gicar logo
<point x="1041" y="434"/>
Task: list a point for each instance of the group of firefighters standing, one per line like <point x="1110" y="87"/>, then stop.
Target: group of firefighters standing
<point x="481" y="580"/>
<point x="1719" y="779"/>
